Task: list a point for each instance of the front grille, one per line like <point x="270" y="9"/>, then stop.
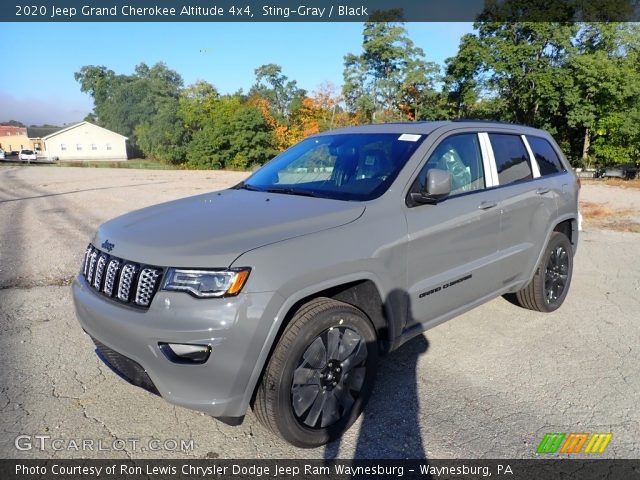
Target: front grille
<point x="119" y="279"/>
<point x="131" y="371"/>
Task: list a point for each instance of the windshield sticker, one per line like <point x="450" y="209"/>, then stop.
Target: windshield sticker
<point x="409" y="137"/>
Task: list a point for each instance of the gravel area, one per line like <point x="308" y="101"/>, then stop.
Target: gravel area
<point x="487" y="384"/>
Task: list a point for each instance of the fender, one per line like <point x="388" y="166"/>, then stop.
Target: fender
<point x="287" y="305"/>
<point x="574" y="235"/>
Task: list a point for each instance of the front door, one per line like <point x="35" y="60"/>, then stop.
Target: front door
<point x="453" y="245"/>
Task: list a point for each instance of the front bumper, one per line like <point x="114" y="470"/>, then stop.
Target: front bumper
<point x="236" y="328"/>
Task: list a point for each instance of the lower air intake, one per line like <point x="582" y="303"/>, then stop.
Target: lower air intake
<point x="131" y="371"/>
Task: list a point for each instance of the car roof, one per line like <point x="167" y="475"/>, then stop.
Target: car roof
<point x="426" y="128"/>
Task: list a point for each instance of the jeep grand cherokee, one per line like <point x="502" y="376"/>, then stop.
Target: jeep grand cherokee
<point x="281" y="292"/>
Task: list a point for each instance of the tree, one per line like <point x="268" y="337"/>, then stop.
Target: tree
<point x="604" y="83"/>
<point x="330" y="102"/>
<point x="580" y="81"/>
<point x="283" y="94"/>
<point x="198" y="103"/>
<point x="390" y="76"/>
<point x="236" y="137"/>
<point x="355" y="89"/>
<point x="523" y="63"/>
<point x="460" y="81"/>
<point x="123" y="102"/>
<point x="418" y="97"/>
<point x="13" y="123"/>
<point x="164" y="136"/>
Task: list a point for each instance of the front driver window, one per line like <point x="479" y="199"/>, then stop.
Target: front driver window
<point x="460" y="156"/>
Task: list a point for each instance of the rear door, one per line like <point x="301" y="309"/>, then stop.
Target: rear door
<point x="554" y="174"/>
<point x="528" y="204"/>
<point x="453" y="245"/>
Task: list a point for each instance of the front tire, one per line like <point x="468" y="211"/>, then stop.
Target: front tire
<point x="320" y="375"/>
<point x="550" y="284"/>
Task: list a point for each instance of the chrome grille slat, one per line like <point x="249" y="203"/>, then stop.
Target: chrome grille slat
<point x="86" y="260"/>
<point x="125" y="281"/>
<point x="93" y="257"/>
<point x="110" y="279"/>
<point x="100" y="264"/>
<point x="146" y="286"/>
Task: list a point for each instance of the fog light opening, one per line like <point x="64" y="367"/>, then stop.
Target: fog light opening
<point x="185" y="353"/>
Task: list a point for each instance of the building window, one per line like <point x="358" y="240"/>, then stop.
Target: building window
<point x="78" y="146"/>
<point x="94" y="146"/>
<point x="108" y="146"/>
<point x="63" y="146"/>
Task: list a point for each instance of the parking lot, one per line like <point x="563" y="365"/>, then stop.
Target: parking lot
<point x="488" y="384"/>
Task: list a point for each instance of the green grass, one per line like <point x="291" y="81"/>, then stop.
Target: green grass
<point x="139" y="163"/>
<point x="135" y="163"/>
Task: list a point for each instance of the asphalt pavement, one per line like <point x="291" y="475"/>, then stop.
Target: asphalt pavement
<point x="487" y="384"/>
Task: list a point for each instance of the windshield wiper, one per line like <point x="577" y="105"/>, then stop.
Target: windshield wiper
<point x="246" y="186"/>
<point x="292" y="191"/>
<point x="284" y="190"/>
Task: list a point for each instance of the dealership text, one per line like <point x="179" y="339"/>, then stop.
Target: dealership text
<point x="123" y="470"/>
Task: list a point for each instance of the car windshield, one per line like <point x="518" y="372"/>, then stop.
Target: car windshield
<point x="27" y="152"/>
<point x="342" y="166"/>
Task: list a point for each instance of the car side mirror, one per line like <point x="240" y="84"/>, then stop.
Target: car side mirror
<point x="437" y="187"/>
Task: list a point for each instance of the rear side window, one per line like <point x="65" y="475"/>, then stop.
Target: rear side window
<point x="547" y="158"/>
<point x="512" y="160"/>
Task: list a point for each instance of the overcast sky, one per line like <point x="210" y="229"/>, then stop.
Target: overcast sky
<point x="37" y="84"/>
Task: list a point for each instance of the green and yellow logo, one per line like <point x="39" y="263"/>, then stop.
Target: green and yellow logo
<point x="574" y="442"/>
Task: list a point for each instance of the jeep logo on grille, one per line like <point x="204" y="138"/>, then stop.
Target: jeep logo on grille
<point x="108" y="246"/>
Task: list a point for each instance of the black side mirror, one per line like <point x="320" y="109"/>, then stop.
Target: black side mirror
<point x="438" y="186"/>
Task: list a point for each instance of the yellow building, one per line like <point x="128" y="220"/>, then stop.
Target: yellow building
<point x="14" y="138"/>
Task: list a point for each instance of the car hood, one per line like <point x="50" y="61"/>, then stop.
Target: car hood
<point x="212" y="230"/>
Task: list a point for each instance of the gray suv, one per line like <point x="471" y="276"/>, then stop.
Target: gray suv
<point x="281" y="292"/>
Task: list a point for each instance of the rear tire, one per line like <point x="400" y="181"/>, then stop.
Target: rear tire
<point x="550" y="284"/>
<point x="320" y="375"/>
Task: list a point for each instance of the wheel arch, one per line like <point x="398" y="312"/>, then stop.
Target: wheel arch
<point x="568" y="225"/>
<point x="363" y="292"/>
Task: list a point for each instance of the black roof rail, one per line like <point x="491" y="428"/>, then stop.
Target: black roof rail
<point x="476" y="120"/>
<point x="409" y="122"/>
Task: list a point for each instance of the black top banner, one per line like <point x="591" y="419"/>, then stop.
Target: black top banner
<point x="318" y="10"/>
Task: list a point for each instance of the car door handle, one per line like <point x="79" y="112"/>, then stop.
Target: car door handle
<point x="487" y="205"/>
<point x="542" y="191"/>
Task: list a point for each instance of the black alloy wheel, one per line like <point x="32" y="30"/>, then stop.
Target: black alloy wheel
<point x="329" y="377"/>
<point x="320" y="374"/>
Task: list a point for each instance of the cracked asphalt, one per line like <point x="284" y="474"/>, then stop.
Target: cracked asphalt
<point x="487" y="384"/>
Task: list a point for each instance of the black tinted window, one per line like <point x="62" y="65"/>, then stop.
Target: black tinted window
<point x="546" y="156"/>
<point x="511" y="157"/>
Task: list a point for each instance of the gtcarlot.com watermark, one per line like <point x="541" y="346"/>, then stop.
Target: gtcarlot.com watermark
<point x="26" y="443"/>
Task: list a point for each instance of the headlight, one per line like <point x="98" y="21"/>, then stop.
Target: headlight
<point x="206" y="283"/>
